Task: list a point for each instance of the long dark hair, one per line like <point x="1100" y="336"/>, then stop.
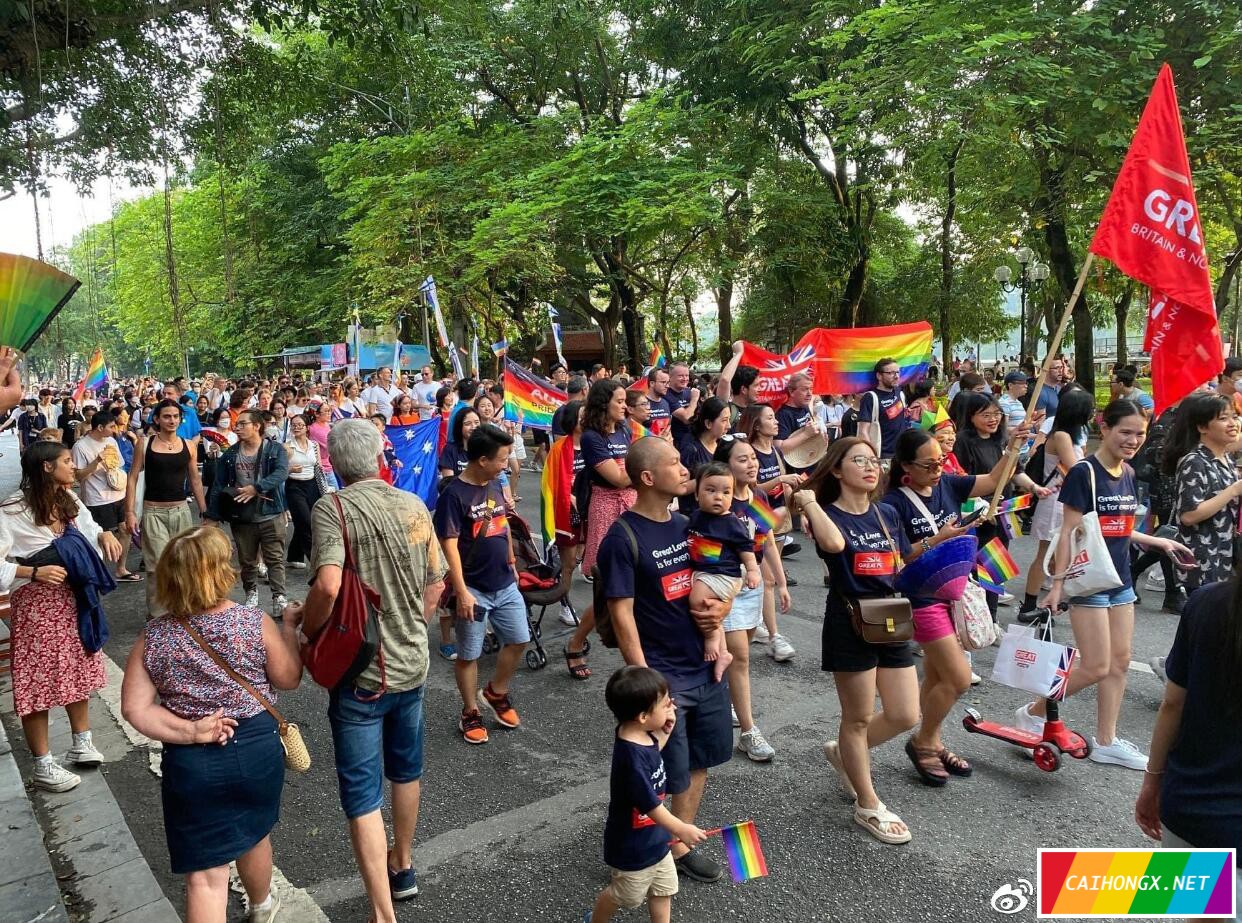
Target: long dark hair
<point x="970" y="403"/>
<point x="826" y="486"/>
<point x="46" y="500"/>
<point x="569" y="416"/>
<point x="1074" y="411"/>
<point x="906" y="451"/>
<point x="598" y="399"/>
<point x="709" y="410"/>
<point x="1195" y="411"/>
<point x="748" y="422"/>
<point x="459" y="423"/>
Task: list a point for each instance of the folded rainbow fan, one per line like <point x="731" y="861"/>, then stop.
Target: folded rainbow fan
<point x="31" y="294"/>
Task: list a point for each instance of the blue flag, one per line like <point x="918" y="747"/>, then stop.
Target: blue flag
<point x="417" y="448"/>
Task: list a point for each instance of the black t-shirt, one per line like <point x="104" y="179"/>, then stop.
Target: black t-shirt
<point x="788" y="421"/>
<point x="475" y="514"/>
<point x="65" y="423"/>
<point x="661" y="415"/>
<point x="1201" y="792"/>
<point x="1116" y="502"/>
<point x="867" y="567"/>
<point x="717" y="543"/>
<point x="693" y="455"/>
<point x="849" y="423"/>
<point x="596" y="449"/>
<point x="659" y="584"/>
<point x="632" y="840"/>
<point x="891" y="416"/>
<point x="679" y="400"/>
<point x="452" y="458"/>
<point x="770" y="470"/>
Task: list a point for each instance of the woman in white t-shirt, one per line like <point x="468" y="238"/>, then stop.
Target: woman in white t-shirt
<point x="301" y="489"/>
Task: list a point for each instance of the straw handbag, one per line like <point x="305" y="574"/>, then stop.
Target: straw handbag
<point x="297" y="757"/>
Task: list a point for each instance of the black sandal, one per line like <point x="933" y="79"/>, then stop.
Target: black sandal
<point x="577" y="671"/>
<point x="928" y="776"/>
<point x="954" y="764"/>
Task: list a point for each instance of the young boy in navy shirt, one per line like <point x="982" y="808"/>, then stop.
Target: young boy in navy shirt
<point x="639" y="826"/>
<point x="721" y="544"/>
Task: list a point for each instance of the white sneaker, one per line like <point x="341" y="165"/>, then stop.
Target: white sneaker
<point x="753" y="744"/>
<point x="1005" y="599"/>
<point x="279" y="601"/>
<point x="50" y="776"/>
<point x="1155" y="580"/>
<point x="1023" y="720"/>
<point x="84" y="754"/>
<point x="1157" y="667"/>
<point x="296" y="565"/>
<point x="266" y="914"/>
<point x="567" y="615"/>
<point x="1119" y="753"/>
<point x="761" y="635"/>
<point x="781" y="650"/>
<point x="252" y="599"/>
<point x="733" y="711"/>
<point x="975" y="678"/>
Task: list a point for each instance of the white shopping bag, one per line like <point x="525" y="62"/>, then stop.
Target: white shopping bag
<point x="1033" y="664"/>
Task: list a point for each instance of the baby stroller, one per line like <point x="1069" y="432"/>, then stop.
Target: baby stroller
<point x="541" y="584"/>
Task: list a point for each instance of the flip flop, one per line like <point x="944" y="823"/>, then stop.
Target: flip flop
<point x="832" y="752"/>
<point x="131" y="578"/>
<point x="879" y="822"/>
<point x="954" y="765"/>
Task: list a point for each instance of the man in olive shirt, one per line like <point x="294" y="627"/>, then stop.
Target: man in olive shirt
<point x="377" y="722"/>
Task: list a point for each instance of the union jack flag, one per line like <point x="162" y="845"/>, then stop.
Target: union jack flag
<point x="793" y="360"/>
<point x="1061" y="680"/>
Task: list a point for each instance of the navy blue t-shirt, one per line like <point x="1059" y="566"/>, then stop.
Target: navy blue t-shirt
<point x="693" y="455"/>
<point x="596" y="449"/>
<point x="452" y="458"/>
<point x="661" y="415"/>
<point x="717" y="543"/>
<point x="632" y="840"/>
<point x="471" y="513"/>
<point x="867" y="567"/>
<point x="679" y="400"/>
<point x="789" y="420"/>
<point x="770" y="470"/>
<point x="892" y="417"/>
<point x="659" y="584"/>
<point x="1201" y="792"/>
<point x="1116" y="501"/>
<point x="946" y="500"/>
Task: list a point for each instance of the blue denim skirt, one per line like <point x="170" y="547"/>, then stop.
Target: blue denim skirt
<point x="220" y="801"/>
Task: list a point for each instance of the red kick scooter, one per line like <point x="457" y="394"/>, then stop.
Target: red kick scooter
<point x="1057" y="739"/>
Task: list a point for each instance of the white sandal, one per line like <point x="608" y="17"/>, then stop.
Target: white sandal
<point x="832" y="752"/>
<point x="881" y="829"/>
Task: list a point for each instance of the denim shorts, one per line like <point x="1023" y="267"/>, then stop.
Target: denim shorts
<point x="703" y="735"/>
<point x="1115" y="597"/>
<point x="505" y="609"/>
<point x="746" y="612"/>
<point x="386" y="734"/>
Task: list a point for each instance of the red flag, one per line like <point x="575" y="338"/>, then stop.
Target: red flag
<point x="1150" y="229"/>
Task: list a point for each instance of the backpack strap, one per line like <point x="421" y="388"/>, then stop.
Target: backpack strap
<point x="915" y="499"/>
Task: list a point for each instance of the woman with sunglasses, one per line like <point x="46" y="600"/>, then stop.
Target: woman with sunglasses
<point x="862" y="543"/>
<point x="928" y="503"/>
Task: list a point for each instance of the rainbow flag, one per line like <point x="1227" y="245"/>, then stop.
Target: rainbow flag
<point x="31" y="294"/>
<point x="95" y="378"/>
<point x="742" y="850"/>
<point x="1136" y="882"/>
<point x="554" y="488"/>
<point x="1014" y="504"/>
<point x="637" y="430"/>
<point x="657" y="360"/>
<point x="704" y="550"/>
<point x="996" y="561"/>
<point x="984" y="579"/>
<point x="529" y="399"/>
<point x="764" y="516"/>
<point x="845" y="359"/>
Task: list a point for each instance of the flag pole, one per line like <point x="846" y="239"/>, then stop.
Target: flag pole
<point x="1011" y="459"/>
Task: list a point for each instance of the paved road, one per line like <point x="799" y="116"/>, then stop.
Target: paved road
<point x="512" y="830"/>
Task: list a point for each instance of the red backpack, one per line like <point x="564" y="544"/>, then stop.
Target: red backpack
<point x="350" y="639"/>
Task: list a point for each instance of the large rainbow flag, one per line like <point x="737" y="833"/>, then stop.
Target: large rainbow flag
<point x="554" y="490"/>
<point x="529" y="399"/>
<point x="95" y="378"/>
<point x="31" y="294"/>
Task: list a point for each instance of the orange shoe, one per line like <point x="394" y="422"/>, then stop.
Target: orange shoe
<point x="501" y="707"/>
<point x="471" y="726"/>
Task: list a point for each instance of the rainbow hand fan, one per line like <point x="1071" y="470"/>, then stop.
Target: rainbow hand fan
<point x="31" y="294"/>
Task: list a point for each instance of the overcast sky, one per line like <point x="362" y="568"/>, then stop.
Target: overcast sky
<point x="62" y="215"/>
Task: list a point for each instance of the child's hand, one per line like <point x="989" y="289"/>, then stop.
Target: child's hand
<point x="691" y="835"/>
<point x="669" y="725"/>
<point x="753" y="577"/>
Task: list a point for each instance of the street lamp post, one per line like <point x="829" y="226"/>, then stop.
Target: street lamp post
<point x="1031" y="274"/>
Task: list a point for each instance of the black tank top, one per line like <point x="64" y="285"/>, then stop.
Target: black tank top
<point x="166" y="473"/>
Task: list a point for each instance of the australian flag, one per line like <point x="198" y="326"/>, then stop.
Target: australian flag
<point x="416" y="447"/>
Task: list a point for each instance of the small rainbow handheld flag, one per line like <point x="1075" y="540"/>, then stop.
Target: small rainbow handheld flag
<point x="761" y="512"/>
<point x="657" y="359"/>
<point x="637" y="430"/>
<point x="996" y="561"/>
<point x="985" y="580"/>
<point x="1013" y="504"/>
<point x="742" y="850"/>
<point x="96" y="376"/>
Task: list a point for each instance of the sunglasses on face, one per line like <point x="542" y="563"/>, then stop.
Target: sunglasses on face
<point x="929" y="464"/>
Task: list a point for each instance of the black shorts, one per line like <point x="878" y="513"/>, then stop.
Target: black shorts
<point x="542" y="438"/>
<point x="703" y="735"/>
<point x="845" y="652"/>
<point x="108" y="516"/>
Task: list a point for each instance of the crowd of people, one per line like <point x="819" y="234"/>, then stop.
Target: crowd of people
<point x="687" y="495"/>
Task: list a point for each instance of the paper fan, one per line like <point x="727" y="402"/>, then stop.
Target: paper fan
<point x="214" y="435"/>
<point x="941" y="572"/>
<point x="31" y="294"/>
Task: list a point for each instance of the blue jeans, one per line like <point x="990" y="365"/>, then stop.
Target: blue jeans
<point x="369" y="736"/>
<point x="505" y="609"/>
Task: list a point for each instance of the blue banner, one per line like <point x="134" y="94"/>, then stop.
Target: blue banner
<point x="417" y="449"/>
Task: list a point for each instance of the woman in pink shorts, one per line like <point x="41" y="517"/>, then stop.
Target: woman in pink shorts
<point x="929" y="503"/>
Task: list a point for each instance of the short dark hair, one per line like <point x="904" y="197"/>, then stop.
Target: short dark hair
<point x="633" y="690"/>
<point x="743" y="378"/>
<point x="577" y="385"/>
<point x="486" y="441"/>
<point x="1125" y="377"/>
<point x="1233" y="364"/>
<point x="101" y="419"/>
<point x="168" y="402"/>
<point x="467" y="388"/>
<point x="713" y="469"/>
